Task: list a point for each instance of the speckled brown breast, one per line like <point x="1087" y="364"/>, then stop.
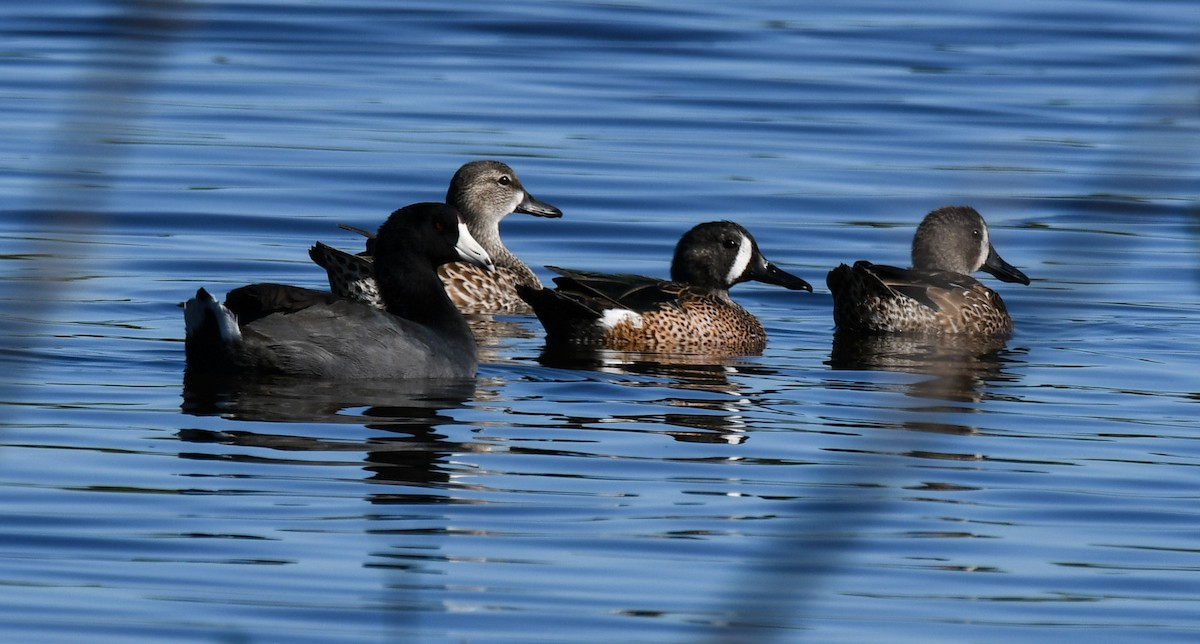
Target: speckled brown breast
<point x="695" y="323"/>
<point x="474" y="290"/>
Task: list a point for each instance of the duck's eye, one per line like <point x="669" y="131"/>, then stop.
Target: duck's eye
<point x="439" y="226"/>
<point x="976" y="234"/>
<point x="504" y="180"/>
<point x="730" y="243"/>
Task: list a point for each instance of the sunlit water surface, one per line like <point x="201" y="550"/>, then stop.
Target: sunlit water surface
<point x="1042" y="488"/>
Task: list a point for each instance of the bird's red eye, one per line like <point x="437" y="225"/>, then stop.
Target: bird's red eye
<point x="439" y="226"/>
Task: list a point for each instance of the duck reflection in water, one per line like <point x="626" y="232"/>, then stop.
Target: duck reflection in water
<point x="719" y="401"/>
<point x="403" y="445"/>
<point x="960" y="364"/>
<point x="683" y="370"/>
<point x="494" y="334"/>
<point x="959" y="368"/>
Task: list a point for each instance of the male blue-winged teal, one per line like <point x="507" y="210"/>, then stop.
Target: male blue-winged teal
<point x="934" y="296"/>
<point x="279" y="329"/>
<point x="484" y="192"/>
<point x="691" y="313"/>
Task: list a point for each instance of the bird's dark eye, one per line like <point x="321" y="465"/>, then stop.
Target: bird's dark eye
<point x="730" y="243"/>
<point x="439" y="226"/>
<point x="976" y="234"/>
<point x="504" y="180"/>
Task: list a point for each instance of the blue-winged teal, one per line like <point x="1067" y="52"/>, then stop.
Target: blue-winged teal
<point x="934" y="296"/>
<point x="692" y="313"/>
<point x="484" y="192"/>
<point x="273" y="328"/>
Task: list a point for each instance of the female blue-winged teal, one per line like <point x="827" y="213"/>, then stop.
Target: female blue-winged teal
<point x="934" y="296"/>
<point x="278" y="329"/>
<point x="691" y="313"/>
<point x="484" y="192"/>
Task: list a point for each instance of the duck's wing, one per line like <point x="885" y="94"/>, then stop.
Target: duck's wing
<point x="333" y="259"/>
<point x="616" y="290"/>
<point x="351" y="276"/>
<point x="938" y="290"/>
<point x="255" y="301"/>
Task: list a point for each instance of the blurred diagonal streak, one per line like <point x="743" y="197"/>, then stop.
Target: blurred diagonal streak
<point x="1151" y="159"/>
<point x="81" y="166"/>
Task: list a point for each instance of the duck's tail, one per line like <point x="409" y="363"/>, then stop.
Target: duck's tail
<point x="566" y="319"/>
<point x="209" y="328"/>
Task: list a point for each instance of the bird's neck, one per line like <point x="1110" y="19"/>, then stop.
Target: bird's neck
<point x="416" y="293"/>
<point x="488" y="235"/>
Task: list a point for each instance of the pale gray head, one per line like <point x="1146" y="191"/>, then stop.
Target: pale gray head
<point x="487" y="191"/>
<point x="718" y="254"/>
<point x="956" y="239"/>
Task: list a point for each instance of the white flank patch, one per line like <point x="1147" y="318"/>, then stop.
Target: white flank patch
<point x="741" y="262"/>
<point x="613" y="317"/>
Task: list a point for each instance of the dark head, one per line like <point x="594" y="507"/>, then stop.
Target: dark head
<point x="719" y="254"/>
<point x="956" y="239"/>
<point x="431" y="233"/>
<point x="490" y="191"/>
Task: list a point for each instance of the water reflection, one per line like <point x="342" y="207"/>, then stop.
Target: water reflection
<point x="680" y="370"/>
<point x="954" y="376"/>
<point x="409" y="450"/>
<point x="721" y="406"/>
<point x="959" y="366"/>
<point x="494" y="334"/>
<point x="281" y="399"/>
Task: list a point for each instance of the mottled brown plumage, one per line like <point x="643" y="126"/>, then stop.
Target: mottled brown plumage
<point x="691" y="313"/>
<point x="694" y="321"/>
<point x="476" y="291"/>
<point x="936" y="295"/>
<point x="485" y="192"/>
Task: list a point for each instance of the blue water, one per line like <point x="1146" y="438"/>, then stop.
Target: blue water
<point x="1042" y="489"/>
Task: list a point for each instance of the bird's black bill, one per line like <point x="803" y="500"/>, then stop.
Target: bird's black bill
<point x="532" y="206"/>
<point x="1003" y="271"/>
<point x="769" y="273"/>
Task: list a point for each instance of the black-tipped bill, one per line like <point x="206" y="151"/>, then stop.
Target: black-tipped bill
<point x="531" y="206"/>
<point x="769" y="273"/>
<point x="1003" y="271"/>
